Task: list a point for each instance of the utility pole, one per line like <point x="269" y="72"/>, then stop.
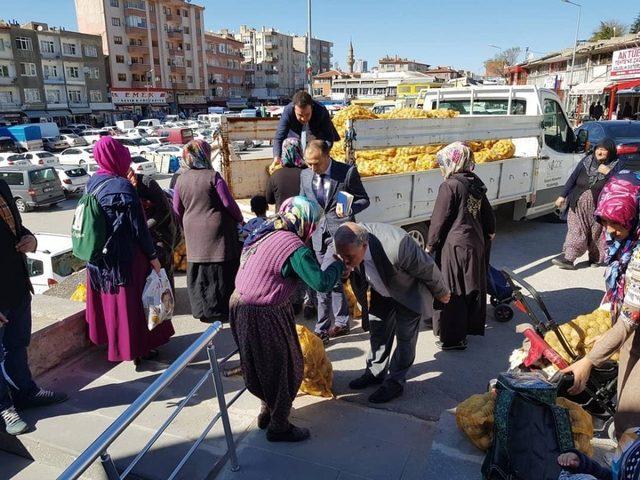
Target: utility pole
<point x="573" y="58"/>
<point x="309" y="59"/>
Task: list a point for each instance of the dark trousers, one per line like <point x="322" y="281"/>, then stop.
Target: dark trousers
<point x="389" y="319"/>
<point x="331" y="305"/>
<point x="457" y="318"/>
<point x="15" y="379"/>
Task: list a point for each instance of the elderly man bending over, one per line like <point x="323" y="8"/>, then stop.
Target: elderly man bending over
<point x="404" y="280"/>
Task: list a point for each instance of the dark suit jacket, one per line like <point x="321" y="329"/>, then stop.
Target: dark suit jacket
<point x="320" y="126"/>
<point x="409" y="273"/>
<point x="283" y="184"/>
<point x="14" y="278"/>
<point x="343" y="178"/>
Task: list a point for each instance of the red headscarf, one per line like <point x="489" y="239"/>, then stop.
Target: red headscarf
<point x="112" y="157"/>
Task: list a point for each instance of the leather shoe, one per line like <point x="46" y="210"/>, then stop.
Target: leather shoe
<point x="324" y="336"/>
<point x="309" y="312"/>
<point x="337" y="331"/>
<point x="364" y="381"/>
<point x="386" y="393"/>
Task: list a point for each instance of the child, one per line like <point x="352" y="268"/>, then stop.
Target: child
<point x="259" y="207"/>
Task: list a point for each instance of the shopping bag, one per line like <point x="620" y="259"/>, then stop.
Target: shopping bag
<point x="157" y="298"/>
<point x="318" y="373"/>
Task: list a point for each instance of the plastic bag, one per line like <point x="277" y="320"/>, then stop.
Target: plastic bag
<point x="318" y="373"/>
<point x="157" y="298"/>
<point x="80" y="293"/>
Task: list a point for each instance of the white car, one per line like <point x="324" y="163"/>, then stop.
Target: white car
<point x="80" y="126"/>
<point x="40" y="157"/>
<point x="73" y="179"/>
<point x="52" y="261"/>
<point x="11" y="159"/>
<point x="136" y="146"/>
<point x="171" y="149"/>
<point x="92" y="136"/>
<point x="74" y="140"/>
<point x="54" y="143"/>
<point x="143" y="166"/>
<point x="79" y="156"/>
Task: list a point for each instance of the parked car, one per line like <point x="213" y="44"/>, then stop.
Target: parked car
<point x="178" y="136"/>
<point x="53" y="144"/>
<point x="248" y="113"/>
<point x="70" y="131"/>
<point x="72" y="179"/>
<point x="93" y="135"/>
<point x="149" y="122"/>
<point x="136" y="146"/>
<point x="52" y="261"/>
<point x="74" y="140"/>
<point x="33" y="186"/>
<point x="79" y="156"/>
<point x="171" y="149"/>
<point x="40" y="158"/>
<point x="626" y="134"/>
<point x="143" y="166"/>
<point x="9" y="145"/>
<point x="80" y="126"/>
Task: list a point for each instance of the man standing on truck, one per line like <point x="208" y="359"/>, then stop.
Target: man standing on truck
<point x="306" y="119"/>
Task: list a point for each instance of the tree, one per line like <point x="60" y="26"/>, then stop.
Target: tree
<point x="635" y="26"/>
<point x="609" y="29"/>
<point x="495" y="66"/>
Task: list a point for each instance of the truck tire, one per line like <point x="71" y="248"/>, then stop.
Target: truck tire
<point x="419" y="232"/>
<point x="21" y="205"/>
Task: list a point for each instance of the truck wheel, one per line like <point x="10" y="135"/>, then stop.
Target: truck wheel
<point x="21" y="205"/>
<point x="418" y="231"/>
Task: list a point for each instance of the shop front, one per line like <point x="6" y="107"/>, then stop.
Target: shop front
<point x="190" y="104"/>
<point x="590" y="93"/>
<point x="136" y="104"/>
<point x="624" y="93"/>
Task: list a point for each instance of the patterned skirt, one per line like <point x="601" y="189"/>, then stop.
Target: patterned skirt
<point x="270" y="354"/>
<point x="584" y="234"/>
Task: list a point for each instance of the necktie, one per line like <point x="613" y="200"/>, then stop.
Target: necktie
<point x="321" y="194"/>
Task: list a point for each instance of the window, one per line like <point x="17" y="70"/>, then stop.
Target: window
<point x="154" y="44"/>
<point x="122" y="77"/>
<point x="50" y="71"/>
<point x="73" y="72"/>
<point x="185" y="13"/>
<point x="119" y="58"/>
<point x="6" y="97"/>
<point x="28" y="69"/>
<point x="115" y="22"/>
<point x="75" y="96"/>
<point x="186" y="30"/>
<point x="117" y="40"/>
<point x="24" y="43"/>
<point x="189" y="79"/>
<point x="136" y="78"/>
<point x="189" y="63"/>
<point x="35" y="267"/>
<point x="2" y="46"/>
<point x="96" y="96"/>
<point x="13" y="178"/>
<point x="115" y="3"/>
<point x="31" y="95"/>
<point x="46" y="46"/>
<point x="53" y="96"/>
<point x="38" y="177"/>
<point x="485" y="107"/>
<point x="135" y="21"/>
<point x="558" y="134"/>
<point x="187" y="46"/>
<point x="90" y="51"/>
<point x="4" y="71"/>
<point x="69" y="48"/>
<point x="94" y="73"/>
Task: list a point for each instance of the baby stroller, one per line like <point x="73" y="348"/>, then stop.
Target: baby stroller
<point x="599" y="397"/>
<point x="500" y="293"/>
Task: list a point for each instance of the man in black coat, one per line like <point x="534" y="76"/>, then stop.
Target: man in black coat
<point x="306" y="119"/>
<point x="17" y="388"/>
<point x="322" y="182"/>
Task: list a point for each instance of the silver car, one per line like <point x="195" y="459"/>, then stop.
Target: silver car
<point x="74" y="140"/>
<point x="54" y="143"/>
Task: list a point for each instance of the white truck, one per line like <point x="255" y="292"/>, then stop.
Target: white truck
<point x="546" y="153"/>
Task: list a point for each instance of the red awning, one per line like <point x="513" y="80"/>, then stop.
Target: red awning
<point x="624" y="85"/>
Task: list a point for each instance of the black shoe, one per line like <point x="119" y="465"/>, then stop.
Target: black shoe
<point x="461" y="345"/>
<point x="264" y="418"/>
<point x="364" y="381"/>
<point x="597" y="264"/>
<point x="293" y="434"/>
<point x="309" y="312"/>
<point x="324" y="336"/>
<point x="386" y="393"/>
<point x="42" y="398"/>
<point x="297" y="308"/>
<point x="563" y="263"/>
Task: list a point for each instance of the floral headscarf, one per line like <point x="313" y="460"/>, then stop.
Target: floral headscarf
<point x="197" y="155"/>
<point x="455" y="158"/>
<point x="619" y="203"/>
<point x="112" y="157"/>
<point x="292" y="153"/>
<point x="299" y="215"/>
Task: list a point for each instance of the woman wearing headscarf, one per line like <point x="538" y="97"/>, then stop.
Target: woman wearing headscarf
<point x="115" y="283"/>
<point x="462" y="226"/>
<point x="209" y="216"/>
<point x="285" y="182"/>
<point x="274" y="258"/>
<point x="580" y="196"/>
<point x="617" y="212"/>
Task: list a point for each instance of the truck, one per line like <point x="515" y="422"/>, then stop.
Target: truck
<point x="26" y="137"/>
<point x="546" y="154"/>
<point x="125" y="125"/>
<point x="48" y="129"/>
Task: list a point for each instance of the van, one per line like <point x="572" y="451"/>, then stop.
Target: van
<point x="178" y="136"/>
<point x="52" y="261"/>
<point x="33" y="186"/>
<point x="125" y="125"/>
<point x="149" y="122"/>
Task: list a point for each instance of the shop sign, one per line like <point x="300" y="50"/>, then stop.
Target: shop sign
<point x="191" y="99"/>
<point x="138" y="97"/>
<point x="626" y="63"/>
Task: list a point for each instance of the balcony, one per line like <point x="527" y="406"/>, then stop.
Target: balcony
<point x="135" y="5"/>
<point x="271" y="71"/>
<point x="176" y="33"/>
<point x="139" y="49"/>
<point x="171" y="18"/>
<point x="50" y="55"/>
<point x="270" y="45"/>
<point x="57" y="105"/>
<point x="135" y="84"/>
<point x="176" y="52"/>
<point x="179" y="86"/>
<point x="270" y="58"/>
<point x="137" y="30"/>
<point x="75" y="80"/>
<point x="7" y="80"/>
<point x="51" y="80"/>
<point x="10" y="107"/>
<point x="179" y="69"/>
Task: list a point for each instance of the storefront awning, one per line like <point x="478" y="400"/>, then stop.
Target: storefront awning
<point x="590" y="88"/>
<point x="80" y="111"/>
<point x="58" y="113"/>
<point x="36" y="113"/>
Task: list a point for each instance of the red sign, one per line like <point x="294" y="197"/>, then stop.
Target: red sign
<point x="626" y="63"/>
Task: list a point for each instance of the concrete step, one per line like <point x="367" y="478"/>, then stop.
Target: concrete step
<point x="100" y="391"/>
<point x="14" y="467"/>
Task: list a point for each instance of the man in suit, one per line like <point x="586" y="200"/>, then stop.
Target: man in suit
<point x="404" y="280"/>
<point x="321" y="182"/>
<point x="306" y="119"/>
<point x="17" y="388"/>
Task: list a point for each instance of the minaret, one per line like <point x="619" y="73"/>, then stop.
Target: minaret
<point x="351" y="60"/>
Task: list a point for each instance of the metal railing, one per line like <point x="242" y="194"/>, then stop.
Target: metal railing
<point x="99" y="448"/>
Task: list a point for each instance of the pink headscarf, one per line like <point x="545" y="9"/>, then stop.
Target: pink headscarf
<point x="112" y="157"/>
<point x="618" y="201"/>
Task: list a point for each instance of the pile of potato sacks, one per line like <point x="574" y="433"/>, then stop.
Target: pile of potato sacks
<point x="409" y="159"/>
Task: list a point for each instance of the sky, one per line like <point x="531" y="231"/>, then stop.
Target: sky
<point x="437" y="32"/>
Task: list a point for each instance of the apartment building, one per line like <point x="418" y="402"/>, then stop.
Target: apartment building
<point x="320" y="53"/>
<point x="225" y="68"/>
<point x="155" y="49"/>
<point x="47" y="72"/>
<point x="397" y="64"/>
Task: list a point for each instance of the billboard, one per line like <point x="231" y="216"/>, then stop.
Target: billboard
<point x="138" y="97"/>
<point x="626" y="63"/>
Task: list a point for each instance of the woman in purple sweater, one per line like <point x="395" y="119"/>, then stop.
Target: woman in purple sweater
<point x="209" y="216"/>
<point x="274" y="258"/>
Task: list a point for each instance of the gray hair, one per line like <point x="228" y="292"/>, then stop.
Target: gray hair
<point x="351" y="234"/>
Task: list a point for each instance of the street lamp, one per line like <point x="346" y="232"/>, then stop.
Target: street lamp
<point x="575" y="46"/>
<point x="309" y="59"/>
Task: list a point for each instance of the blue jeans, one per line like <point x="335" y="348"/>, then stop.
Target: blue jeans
<point x="332" y="305"/>
<point x="15" y="377"/>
